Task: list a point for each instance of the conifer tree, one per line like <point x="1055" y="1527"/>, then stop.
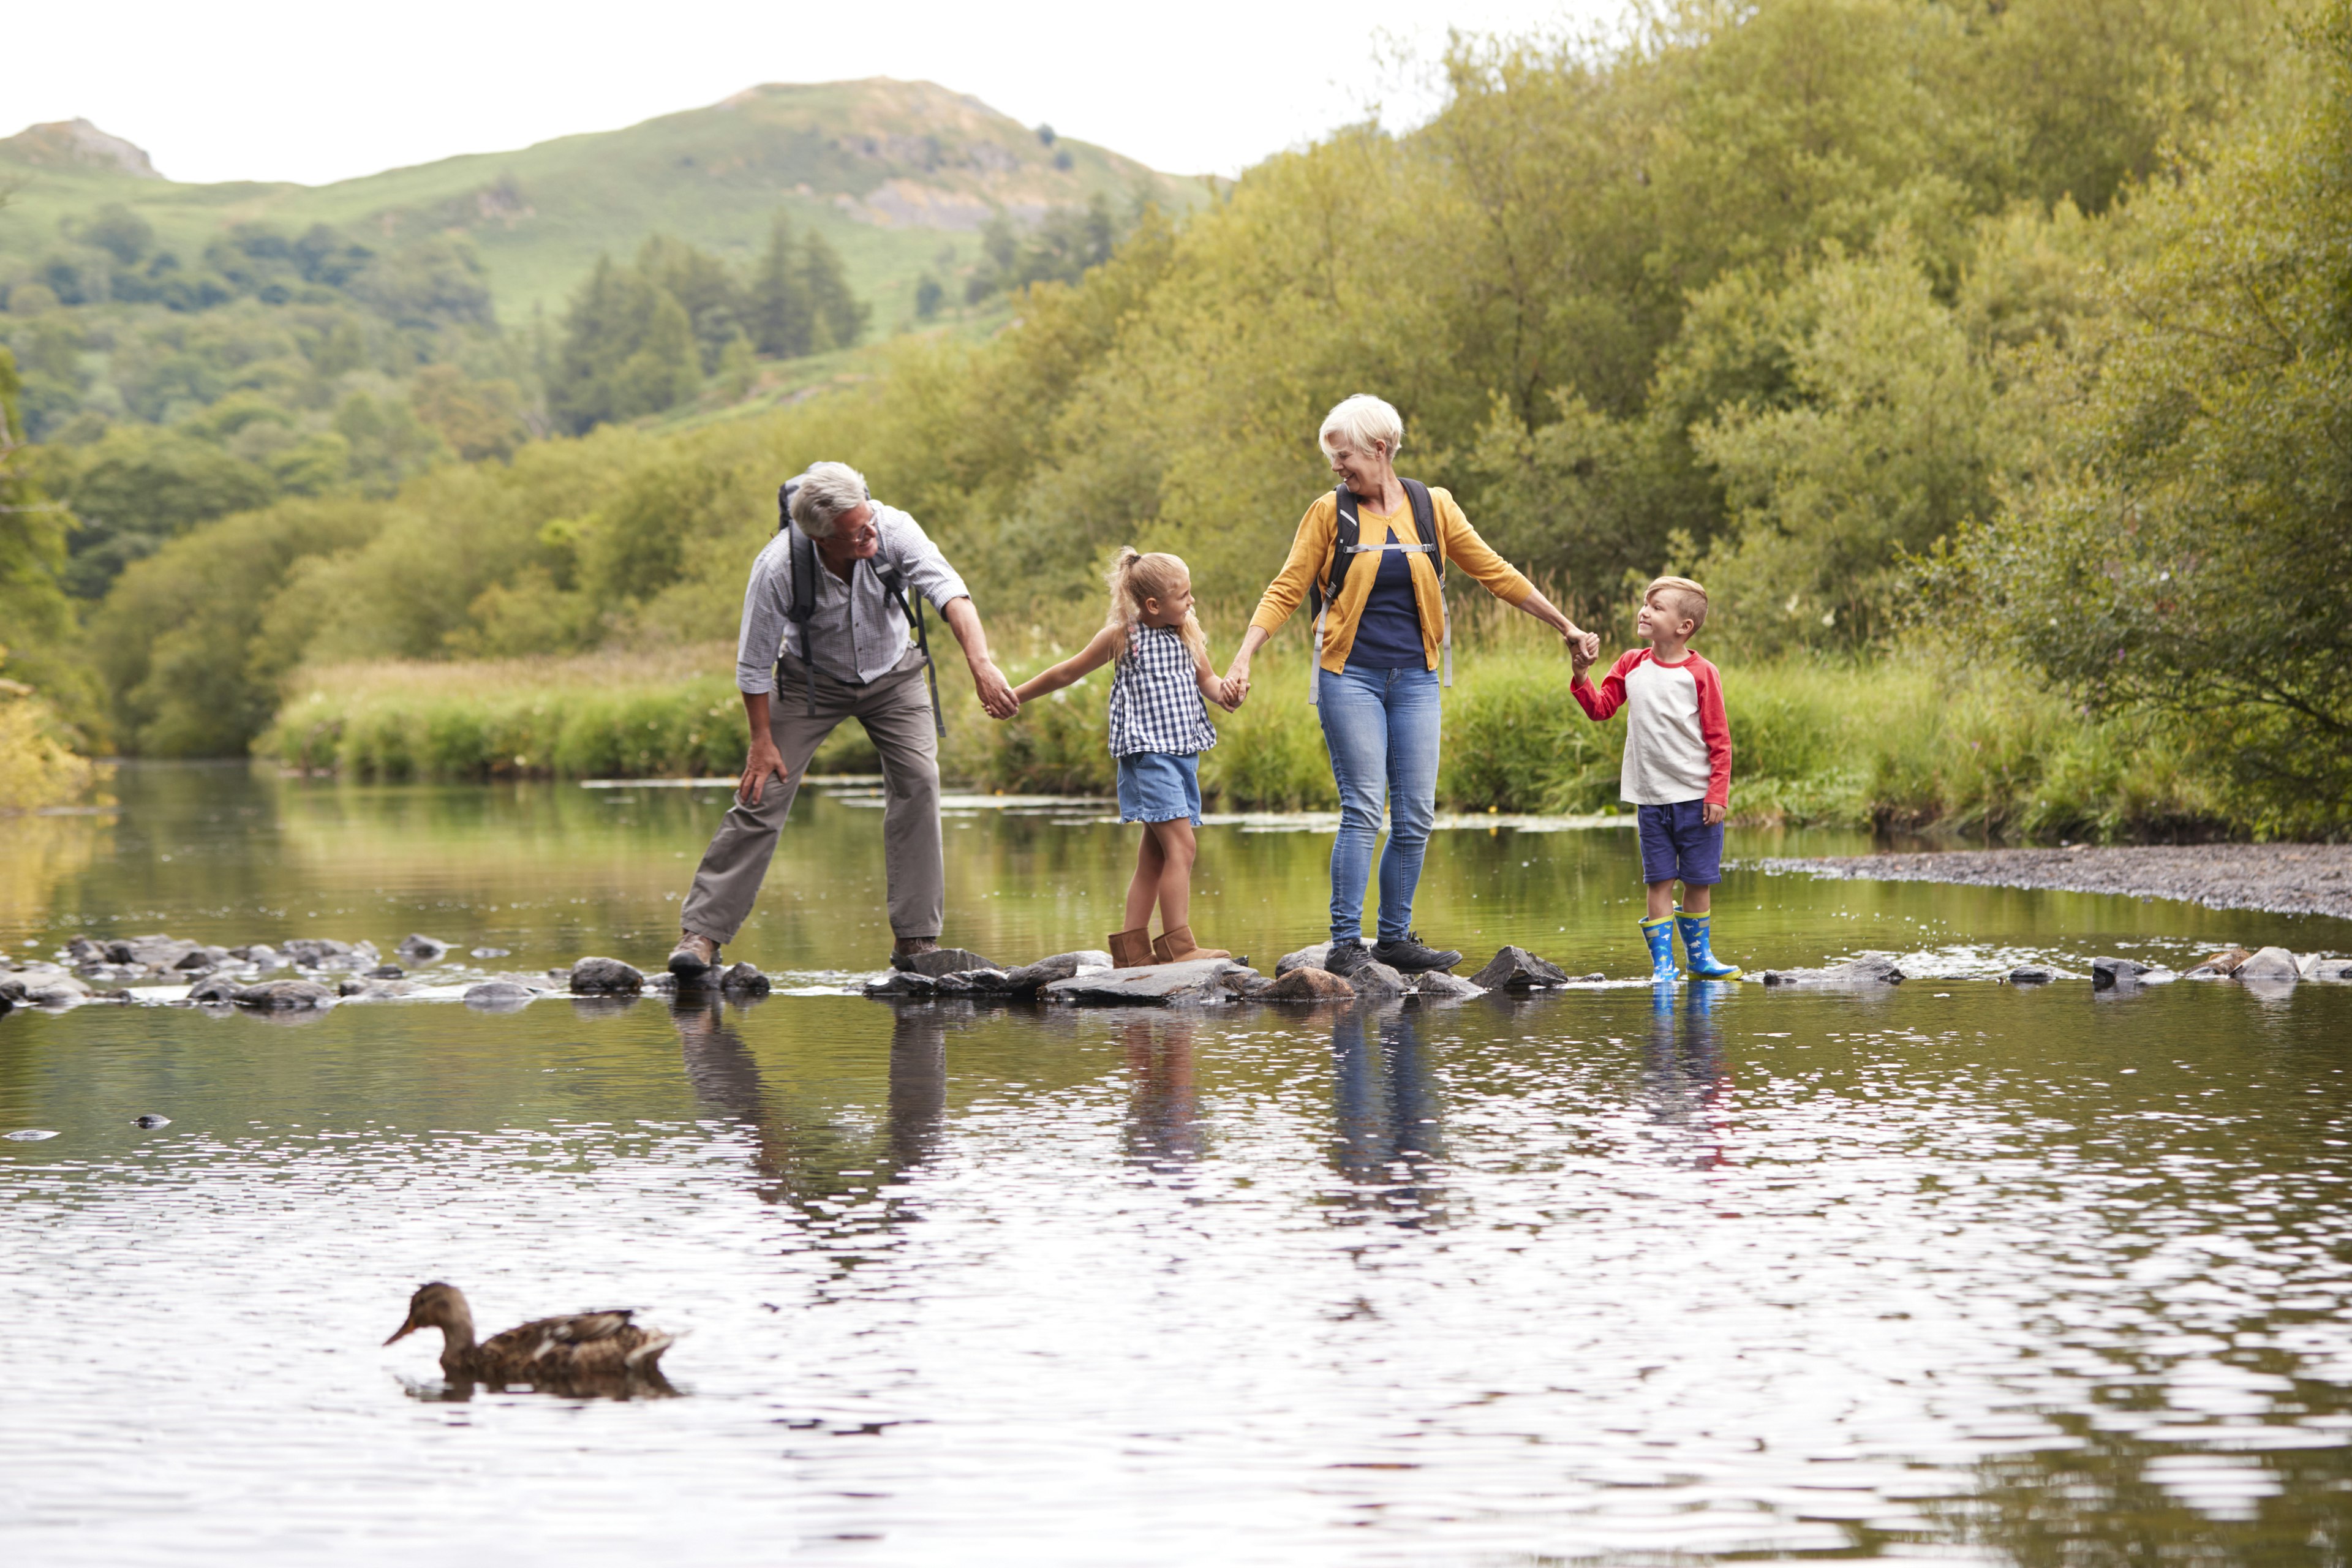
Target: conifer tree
<point x="839" y="315"/>
<point x="781" y="325"/>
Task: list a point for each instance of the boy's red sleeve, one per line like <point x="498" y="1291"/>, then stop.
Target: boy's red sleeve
<point x="1716" y="731"/>
<point x="1600" y="702"/>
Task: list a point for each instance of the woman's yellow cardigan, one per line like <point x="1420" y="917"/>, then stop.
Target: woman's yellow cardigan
<point x="1311" y="562"/>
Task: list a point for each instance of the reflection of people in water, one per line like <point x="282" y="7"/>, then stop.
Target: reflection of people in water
<point x="1163" y="1132"/>
<point x="1387" y="1109"/>
<point x="1683" y="1072"/>
<point x="801" y="1162"/>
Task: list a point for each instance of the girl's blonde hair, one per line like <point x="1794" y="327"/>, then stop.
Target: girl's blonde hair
<point x="1135" y="577"/>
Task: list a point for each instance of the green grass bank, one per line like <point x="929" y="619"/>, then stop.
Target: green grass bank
<point x="1911" y="742"/>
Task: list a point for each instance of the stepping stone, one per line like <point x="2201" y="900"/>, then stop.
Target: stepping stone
<point x="744" y="980"/>
<point x="1305" y="958"/>
<point x="1517" y="969"/>
<point x="946" y="961"/>
<point x="605" y="977"/>
<point x="2269" y="964"/>
<point x="1194" y="982"/>
<point x="1376" y="982"/>
<point x="215" y="989"/>
<point x="1306" y="983"/>
<point x="2031" y="974"/>
<point x="1437" y="982"/>
<point x="2106" y="973"/>
<point x="1030" y="978"/>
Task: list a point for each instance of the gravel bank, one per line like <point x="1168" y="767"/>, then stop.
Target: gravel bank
<point x="2285" y="879"/>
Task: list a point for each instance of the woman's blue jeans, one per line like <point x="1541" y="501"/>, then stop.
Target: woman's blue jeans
<point x="1381" y="727"/>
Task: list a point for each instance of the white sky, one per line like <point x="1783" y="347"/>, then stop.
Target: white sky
<point x="317" y="90"/>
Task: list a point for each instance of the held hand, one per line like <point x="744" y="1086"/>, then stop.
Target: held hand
<point x="1712" y="813"/>
<point x="763" y="761"/>
<point x="1236" y="687"/>
<point x="996" y="694"/>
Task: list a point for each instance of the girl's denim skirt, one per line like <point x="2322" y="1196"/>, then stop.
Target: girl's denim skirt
<point x="1159" y="786"/>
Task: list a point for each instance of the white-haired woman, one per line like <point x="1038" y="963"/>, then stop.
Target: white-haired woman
<point x="1379" y="634"/>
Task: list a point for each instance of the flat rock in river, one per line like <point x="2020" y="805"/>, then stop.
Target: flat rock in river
<point x="1437" y="982"/>
<point x="2269" y="964"/>
<point x="500" y="997"/>
<point x="1029" y="977"/>
<point x="1193" y="983"/>
<point x="1517" y="969"/>
<point x="1854" y="974"/>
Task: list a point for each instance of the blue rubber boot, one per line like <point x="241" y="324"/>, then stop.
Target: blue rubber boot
<point x="1660" y="934"/>
<point x="1704" y="965"/>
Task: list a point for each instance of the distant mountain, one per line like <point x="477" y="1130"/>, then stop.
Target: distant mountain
<point x="899" y="175"/>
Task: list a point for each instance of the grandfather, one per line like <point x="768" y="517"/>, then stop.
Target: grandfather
<point x="841" y="649"/>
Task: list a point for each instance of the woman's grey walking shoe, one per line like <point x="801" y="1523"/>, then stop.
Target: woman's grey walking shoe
<point x="693" y="956"/>
<point x="1408" y="956"/>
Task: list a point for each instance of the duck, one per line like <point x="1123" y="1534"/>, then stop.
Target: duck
<point x="584" y="1347"/>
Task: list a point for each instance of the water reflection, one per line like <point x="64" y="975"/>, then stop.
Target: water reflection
<point x="1684" y="1080"/>
<point x="803" y="1159"/>
<point x="1162" y="1131"/>
<point x="1390" y="1140"/>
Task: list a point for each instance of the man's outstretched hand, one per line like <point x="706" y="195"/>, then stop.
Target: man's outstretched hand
<point x="995" y="691"/>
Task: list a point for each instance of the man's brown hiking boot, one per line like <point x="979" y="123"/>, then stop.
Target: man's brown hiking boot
<point x="693" y="957"/>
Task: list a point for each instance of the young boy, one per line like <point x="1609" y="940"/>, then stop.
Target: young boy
<point x="1677" y="771"/>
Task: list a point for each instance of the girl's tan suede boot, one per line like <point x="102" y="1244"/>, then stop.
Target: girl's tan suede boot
<point x="1132" y="948"/>
<point x="1176" y="947"/>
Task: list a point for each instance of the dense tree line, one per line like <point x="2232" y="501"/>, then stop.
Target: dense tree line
<point x="642" y="338"/>
<point x="2036" y="304"/>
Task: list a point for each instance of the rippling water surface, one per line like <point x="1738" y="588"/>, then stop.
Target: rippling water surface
<point x="1960" y="1271"/>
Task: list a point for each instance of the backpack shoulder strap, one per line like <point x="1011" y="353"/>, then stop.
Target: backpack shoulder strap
<point x="805" y="569"/>
<point x="1346" y="532"/>
<point x="1424" y="518"/>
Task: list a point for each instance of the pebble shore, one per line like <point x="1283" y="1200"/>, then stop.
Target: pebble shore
<point x="2281" y="878"/>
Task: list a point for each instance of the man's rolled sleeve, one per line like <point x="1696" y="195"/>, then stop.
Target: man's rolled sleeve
<point x="764" y="619"/>
<point x="922" y="563"/>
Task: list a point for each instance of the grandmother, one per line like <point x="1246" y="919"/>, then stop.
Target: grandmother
<point x="1371" y="555"/>
<point x="813" y="654"/>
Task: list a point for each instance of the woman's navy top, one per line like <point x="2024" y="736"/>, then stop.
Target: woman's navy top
<point x="1387" y="634"/>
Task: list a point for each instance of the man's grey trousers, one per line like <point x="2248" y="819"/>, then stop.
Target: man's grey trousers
<point x="897" y="714"/>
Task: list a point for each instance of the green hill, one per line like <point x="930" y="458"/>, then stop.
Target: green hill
<point x="898" y="177"/>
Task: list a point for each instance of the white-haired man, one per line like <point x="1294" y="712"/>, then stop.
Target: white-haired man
<point x="826" y="638"/>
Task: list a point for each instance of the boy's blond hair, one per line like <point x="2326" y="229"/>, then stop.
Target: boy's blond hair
<point x="1690" y="597"/>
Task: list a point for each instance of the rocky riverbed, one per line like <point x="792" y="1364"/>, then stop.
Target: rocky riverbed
<point x="2282" y="879"/>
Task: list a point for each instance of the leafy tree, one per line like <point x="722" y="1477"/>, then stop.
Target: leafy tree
<point x="2186" y="553"/>
<point x="929" y="295"/>
<point x="704" y="285"/>
<point x="120" y="232"/>
<point x="36" y="622"/>
<point x="138" y="487"/>
<point x="479" y="420"/>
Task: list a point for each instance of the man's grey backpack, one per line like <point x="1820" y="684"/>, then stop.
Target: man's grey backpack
<point x="803" y="605"/>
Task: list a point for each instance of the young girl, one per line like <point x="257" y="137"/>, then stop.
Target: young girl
<point x="1159" y="727"/>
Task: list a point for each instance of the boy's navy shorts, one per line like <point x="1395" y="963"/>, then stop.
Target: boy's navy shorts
<point x="1678" y="842"/>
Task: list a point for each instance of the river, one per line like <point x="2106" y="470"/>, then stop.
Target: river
<point x="1959" y="1270"/>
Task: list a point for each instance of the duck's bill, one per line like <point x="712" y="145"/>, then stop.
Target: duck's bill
<point x="402" y="1332"/>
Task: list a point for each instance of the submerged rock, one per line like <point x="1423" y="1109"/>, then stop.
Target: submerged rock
<point x="150" y="1121"/>
<point x="285" y="996"/>
<point x="1306" y="983"/>
<point x="418" y="948"/>
<point x="605" y="977"/>
<point x="500" y="997"/>
<point x="1517" y="969"/>
<point x="362" y="988"/>
<point x="1194" y="982"/>
<point x="2269" y="964"/>
<point x="2329" y="969"/>
<point x="1854" y="975"/>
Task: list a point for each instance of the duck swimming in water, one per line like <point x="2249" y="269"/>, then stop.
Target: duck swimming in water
<point x="584" y="1348"/>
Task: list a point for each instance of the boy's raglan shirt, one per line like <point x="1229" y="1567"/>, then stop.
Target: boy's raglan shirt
<point x="1677" y="741"/>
